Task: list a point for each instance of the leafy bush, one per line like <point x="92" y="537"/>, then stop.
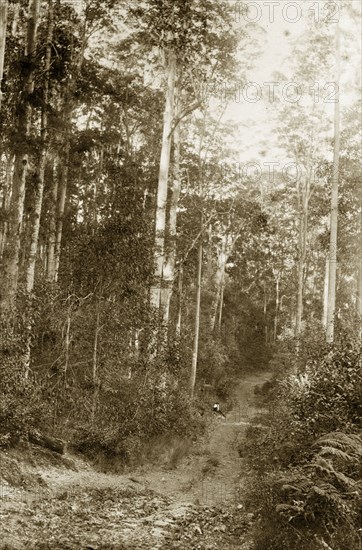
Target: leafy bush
<point x="307" y="463"/>
<point x="21" y="408"/>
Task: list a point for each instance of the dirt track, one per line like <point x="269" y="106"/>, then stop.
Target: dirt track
<point x="197" y="505"/>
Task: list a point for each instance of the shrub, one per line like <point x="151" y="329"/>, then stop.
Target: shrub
<point x="307" y="463"/>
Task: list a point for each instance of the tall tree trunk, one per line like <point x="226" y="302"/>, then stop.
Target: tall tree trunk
<point x="52" y="234"/>
<point x="9" y="280"/>
<point x="221" y="305"/>
<point x="160" y="220"/>
<point x="334" y="204"/>
<point x="219" y="276"/>
<point x="195" y="350"/>
<point x="97" y="179"/>
<point x="6" y="201"/>
<point x="179" y="301"/>
<point x="69" y="104"/>
<point x="277" y="304"/>
<point x="40" y="171"/>
<point x="16" y="17"/>
<point x="3" y="24"/>
<point x="325" y="293"/>
<point x="264" y="313"/>
<point x="168" y="274"/>
<point x="62" y="193"/>
<point x="301" y="269"/>
<point x="359" y="274"/>
<point x="95" y="376"/>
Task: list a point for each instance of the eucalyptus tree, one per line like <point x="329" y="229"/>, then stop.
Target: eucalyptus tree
<point x="192" y="38"/>
<point x="8" y="286"/>
<point x="3" y="25"/>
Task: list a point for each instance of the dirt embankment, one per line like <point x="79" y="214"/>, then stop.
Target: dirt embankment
<point x="197" y="505"/>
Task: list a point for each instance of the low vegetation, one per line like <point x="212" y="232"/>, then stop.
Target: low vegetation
<point x="307" y="480"/>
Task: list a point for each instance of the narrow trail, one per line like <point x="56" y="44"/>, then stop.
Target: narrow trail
<point x="158" y="508"/>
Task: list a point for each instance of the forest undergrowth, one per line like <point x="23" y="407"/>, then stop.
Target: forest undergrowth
<point x="196" y="502"/>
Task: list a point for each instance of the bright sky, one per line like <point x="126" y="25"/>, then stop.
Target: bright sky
<point x="279" y="23"/>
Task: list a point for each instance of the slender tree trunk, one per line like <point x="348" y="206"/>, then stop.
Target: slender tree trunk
<point x="301" y="271"/>
<point x="359" y="275"/>
<point x="325" y="293"/>
<point x="6" y="201"/>
<point x="52" y="235"/>
<point x="95" y="191"/>
<point x="63" y="183"/>
<point x="221" y="305"/>
<point x="169" y="266"/>
<point x="179" y="301"/>
<point x="67" y="341"/>
<point x="195" y="350"/>
<point x="334" y="204"/>
<point x="37" y="208"/>
<point x="95" y="377"/>
<point x="61" y="210"/>
<point x="15" y="21"/>
<point x="209" y="255"/>
<point x="265" y="312"/>
<point x="160" y="221"/>
<point x="9" y="280"/>
<point x="219" y="277"/>
<point x="277" y="295"/>
<point x="3" y="24"/>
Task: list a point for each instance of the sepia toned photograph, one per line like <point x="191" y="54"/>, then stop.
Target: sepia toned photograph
<point x="180" y="275"/>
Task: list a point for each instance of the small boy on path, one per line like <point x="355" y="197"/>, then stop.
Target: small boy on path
<point x="217" y="410"/>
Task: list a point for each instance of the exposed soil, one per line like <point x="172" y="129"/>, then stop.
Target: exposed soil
<point x="67" y="504"/>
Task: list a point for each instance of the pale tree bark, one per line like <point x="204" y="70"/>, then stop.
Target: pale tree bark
<point x="62" y="193"/>
<point x="334" y="203"/>
<point x="203" y="225"/>
<point x="195" y="350"/>
<point x="38" y="203"/>
<point x="302" y="249"/>
<point x="95" y="190"/>
<point x="9" y="281"/>
<point x="168" y="275"/>
<point x="95" y="375"/>
<point x="3" y="23"/>
<point x="179" y="301"/>
<point x="16" y="17"/>
<point x="265" y="313"/>
<point x="359" y="273"/>
<point x="277" y="304"/>
<point x="160" y="219"/>
<point x="219" y="279"/>
<point x="51" y="262"/>
<point x="67" y="341"/>
<point x="225" y="249"/>
<point x="6" y="201"/>
<point x="325" y="293"/>
<point x="61" y="189"/>
<point x="221" y="305"/>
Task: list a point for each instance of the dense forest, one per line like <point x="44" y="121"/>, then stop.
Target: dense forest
<point x="177" y="212"/>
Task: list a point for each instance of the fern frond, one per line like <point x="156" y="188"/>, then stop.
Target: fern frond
<point x="326" y="467"/>
<point x="329" y="493"/>
<point x="337" y="453"/>
<point x="349" y="443"/>
<point x="322" y="464"/>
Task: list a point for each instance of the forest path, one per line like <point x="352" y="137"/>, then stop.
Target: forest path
<point x="194" y="506"/>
